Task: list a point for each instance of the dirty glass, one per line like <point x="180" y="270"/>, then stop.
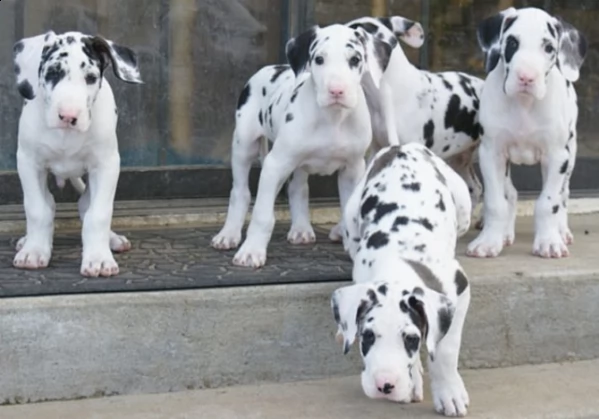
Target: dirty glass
<point x="195" y="57"/>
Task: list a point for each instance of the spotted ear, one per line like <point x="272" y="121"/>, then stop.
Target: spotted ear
<point x="489" y="36"/>
<point x="407" y="30"/>
<point x="433" y="313"/>
<point x="123" y="59"/>
<point x="27" y="54"/>
<point x="298" y="49"/>
<point x="378" y="54"/>
<point x="350" y="304"/>
<point x="572" y="49"/>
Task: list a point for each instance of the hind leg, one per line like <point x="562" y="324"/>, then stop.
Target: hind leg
<point x="118" y="243"/>
<point x="245" y="150"/>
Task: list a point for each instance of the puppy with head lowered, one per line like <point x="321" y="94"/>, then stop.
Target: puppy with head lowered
<point x="402" y="223"/>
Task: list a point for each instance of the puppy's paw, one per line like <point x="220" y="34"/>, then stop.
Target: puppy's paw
<point x="118" y="243"/>
<point x="96" y="264"/>
<point x="250" y="256"/>
<point x="32" y="256"/>
<point x="301" y="235"/>
<point x="450" y="396"/>
<point x="226" y="240"/>
<point x="336" y="233"/>
<point x="550" y="244"/>
<point x="487" y="244"/>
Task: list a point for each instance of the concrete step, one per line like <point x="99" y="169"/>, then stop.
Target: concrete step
<point x="524" y="310"/>
<point x="545" y="391"/>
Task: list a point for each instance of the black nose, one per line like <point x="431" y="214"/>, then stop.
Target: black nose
<point x="387" y="389"/>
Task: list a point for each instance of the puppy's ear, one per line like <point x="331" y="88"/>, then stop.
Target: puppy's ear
<point x="297" y="50"/>
<point x="432" y="312"/>
<point x="350" y="304"/>
<point x="407" y="30"/>
<point x="123" y="59"/>
<point x="378" y="54"/>
<point x="489" y="36"/>
<point x="27" y="56"/>
<point x="572" y="49"/>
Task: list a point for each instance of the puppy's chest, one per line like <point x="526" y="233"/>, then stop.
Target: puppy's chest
<point x="332" y="148"/>
<point x="65" y="155"/>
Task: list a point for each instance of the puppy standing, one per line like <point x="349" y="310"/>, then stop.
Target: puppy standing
<point x="528" y="112"/>
<point x="68" y="127"/>
<point x="403" y="220"/>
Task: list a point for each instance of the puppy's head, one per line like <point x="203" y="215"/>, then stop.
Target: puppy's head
<point x="391" y="323"/>
<point x="66" y="72"/>
<point x="531" y="43"/>
<point x="338" y="57"/>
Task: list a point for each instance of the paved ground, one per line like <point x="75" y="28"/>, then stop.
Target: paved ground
<point x="181" y="258"/>
<point x="546" y="391"/>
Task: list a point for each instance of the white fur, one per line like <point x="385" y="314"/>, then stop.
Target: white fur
<point x="529" y="115"/>
<point x="312" y="131"/>
<point x="68" y="147"/>
<point x="414" y="105"/>
<point x="403" y="220"/>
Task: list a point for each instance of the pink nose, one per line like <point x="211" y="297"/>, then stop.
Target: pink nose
<point x="526" y="78"/>
<point x="336" y="91"/>
<point x="384" y="384"/>
<point x="68" y="116"/>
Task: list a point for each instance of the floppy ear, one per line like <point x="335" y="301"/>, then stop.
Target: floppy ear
<point x="297" y="50"/>
<point x="407" y="30"/>
<point x="27" y="54"/>
<point x="378" y="54"/>
<point x="432" y="312"/>
<point x="349" y="305"/>
<point x="489" y="35"/>
<point x="123" y="59"/>
<point x="572" y="50"/>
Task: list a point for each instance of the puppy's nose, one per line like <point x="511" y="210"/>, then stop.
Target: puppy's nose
<point x="387" y="388"/>
<point x="68" y="116"/>
<point x="337" y="91"/>
<point x="526" y="77"/>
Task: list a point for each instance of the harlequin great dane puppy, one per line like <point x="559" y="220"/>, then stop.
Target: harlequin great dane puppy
<point x="68" y="127"/>
<point x="439" y="110"/>
<point x="528" y="111"/>
<point x="403" y="220"/>
<point x="315" y="113"/>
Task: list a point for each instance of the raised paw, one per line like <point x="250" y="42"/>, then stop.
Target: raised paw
<point x="99" y="264"/>
<point x="550" y="246"/>
<point x="250" y="257"/>
<point x="301" y="235"/>
<point x="226" y="240"/>
<point x="450" y="397"/>
<point x="118" y="243"/>
<point x="487" y="244"/>
<point x="32" y="257"/>
<point x="336" y="233"/>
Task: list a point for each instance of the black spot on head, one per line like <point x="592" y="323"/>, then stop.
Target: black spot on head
<point x="383" y="209"/>
<point x="511" y="47"/>
<point x="403" y="306"/>
<point x="368" y="339"/>
<point x="26" y="90"/>
<point x="428" y="133"/>
<point x="555" y="209"/>
<point x="412" y="344"/>
<point x="54" y="74"/>
<point x="91" y="79"/>
<point x="564" y="167"/>
<point x="383" y="289"/>
<point x="244" y="96"/>
<point x="461" y="282"/>
<point x="377" y="240"/>
<point x="289" y="117"/>
<point x="70" y="39"/>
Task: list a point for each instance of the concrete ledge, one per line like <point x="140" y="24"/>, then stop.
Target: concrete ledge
<point x="545" y="391"/>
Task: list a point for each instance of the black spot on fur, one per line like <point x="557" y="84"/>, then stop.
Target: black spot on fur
<point x="429" y="132"/>
<point x="244" y="96"/>
<point x="461" y="282"/>
<point x="377" y="240"/>
<point x="564" y="167"/>
<point x="264" y="91"/>
<point x="383" y="209"/>
<point x="511" y="47"/>
<point x="383" y="161"/>
<point x="278" y="70"/>
<point x="18" y="48"/>
<point x="297" y="50"/>
<point x="412" y="344"/>
<point x="555" y="209"/>
<point x="260" y="119"/>
<point x="447" y="84"/>
<point x="367" y="26"/>
<point x="368" y="205"/>
<point x="414" y="186"/>
<point x="427" y="276"/>
<point x="399" y="221"/>
<point x="445" y="319"/>
<point x="91" y="79"/>
<point x="403" y="306"/>
<point x="26" y="90"/>
<point x="441" y="203"/>
<point x="420" y="248"/>
<point x="289" y="117"/>
<point x="509" y="21"/>
<point x="461" y="119"/>
<point x="425" y="223"/>
<point x="368" y="339"/>
<point x="54" y="74"/>
<point x="383" y="289"/>
<point x="446" y="148"/>
<point x="466" y="84"/>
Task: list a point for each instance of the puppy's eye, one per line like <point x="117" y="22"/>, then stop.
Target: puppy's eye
<point x="354" y="61"/>
<point x="368" y="337"/>
<point x="512" y="43"/>
<point x="91" y="78"/>
<point x="319" y="60"/>
<point x="549" y="49"/>
<point x="412" y="342"/>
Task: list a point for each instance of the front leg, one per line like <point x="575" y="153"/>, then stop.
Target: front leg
<point x="494" y="168"/>
<point x="347" y="179"/>
<point x="549" y="242"/>
<point x="34" y="250"/>
<point x="567" y="235"/>
<point x="277" y="167"/>
<point x="301" y="231"/>
<point x="450" y="396"/>
<point x="97" y="256"/>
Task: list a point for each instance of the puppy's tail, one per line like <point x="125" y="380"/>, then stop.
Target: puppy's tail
<point x="78" y="184"/>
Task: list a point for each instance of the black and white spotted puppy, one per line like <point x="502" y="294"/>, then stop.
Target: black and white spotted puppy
<point x="529" y="113"/>
<point x="438" y="109"/>
<point x="315" y="113"/>
<point x="403" y="221"/>
<point x="68" y="127"/>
